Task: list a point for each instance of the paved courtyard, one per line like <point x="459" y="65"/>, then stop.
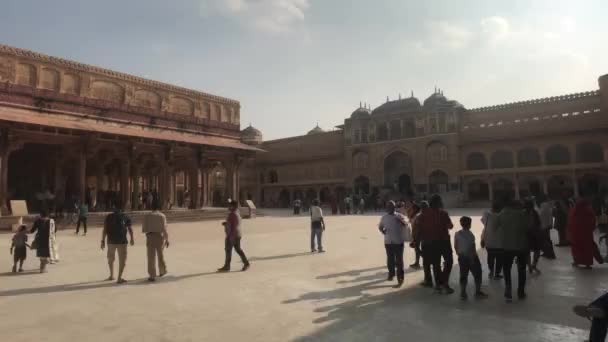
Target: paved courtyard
<point x="287" y="295"/>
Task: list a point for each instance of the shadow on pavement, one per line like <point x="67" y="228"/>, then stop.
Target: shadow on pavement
<point x="284" y="256"/>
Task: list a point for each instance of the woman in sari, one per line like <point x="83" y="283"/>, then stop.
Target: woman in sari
<point x="45" y="244"/>
<point x="581" y="223"/>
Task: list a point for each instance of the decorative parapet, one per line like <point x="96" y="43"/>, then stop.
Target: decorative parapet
<point x="17" y="52"/>
<point x="65" y="80"/>
<point x="546" y="100"/>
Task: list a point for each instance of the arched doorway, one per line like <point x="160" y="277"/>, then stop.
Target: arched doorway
<point x="557" y="155"/>
<point x="559" y="187"/>
<point x="397" y="171"/>
<point x="530" y="186"/>
<point x="478" y="190"/>
<point x="593" y="184"/>
<point x="361" y="185"/>
<point x="503" y="189"/>
<point x="311" y="194"/>
<point x="438" y="182"/>
<point x="589" y="152"/>
<point x="325" y="195"/>
<point x="284" y="199"/>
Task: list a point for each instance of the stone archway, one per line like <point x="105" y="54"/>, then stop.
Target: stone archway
<point x="397" y="171"/>
<point x="284" y="198"/>
<point x="559" y="187"/>
<point x="438" y="182"/>
<point x="361" y="185"/>
<point x="478" y="190"/>
<point x="503" y="189"/>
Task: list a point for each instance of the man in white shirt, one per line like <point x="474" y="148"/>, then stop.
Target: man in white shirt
<point x="157" y="238"/>
<point x="317" y="226"/>
<point x="395" y="230"/>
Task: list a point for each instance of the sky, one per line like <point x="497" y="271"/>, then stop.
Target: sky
<point x="295" y="63"/>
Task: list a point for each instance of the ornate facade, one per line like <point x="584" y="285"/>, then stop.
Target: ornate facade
<point x="85" y="132"/>
<point x="407" y="148"/>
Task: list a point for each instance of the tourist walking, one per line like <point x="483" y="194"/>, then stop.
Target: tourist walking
<point x="513" y="225"/>
<point x="468" y="261"/>
<point x="232" y="228"/>
<point x="362" y="205"/>
<point x="44" y="227"/>
<point x="157" y="239"/>
<point x="545" y="213"/>
<point x="535" y="236"/>
<point x="581" y="224"/>
<point x="83" y="213"/>
<point x="297" y="206"/>
<point x="412" y="212"/>
<point x="560" y="220"/>
<point x="491" y="241"/>
<point x="396" y="231"/>
<point x="317" y="227"/>
<point x="19" y="248"/>
<point x="115" y="228"/>
<point x="433" y="225"/>
<point x="347" y="204"/>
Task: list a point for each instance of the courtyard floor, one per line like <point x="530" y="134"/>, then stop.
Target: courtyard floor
<point x="287" y="295"/>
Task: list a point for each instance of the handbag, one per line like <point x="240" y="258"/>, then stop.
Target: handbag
<point x="34" y="244"/>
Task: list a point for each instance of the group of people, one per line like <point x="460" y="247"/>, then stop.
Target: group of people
<point x="515" y="232"/>
<point x="117" y="235"/>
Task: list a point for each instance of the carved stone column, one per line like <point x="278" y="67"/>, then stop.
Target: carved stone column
<point x="136" y="190"/>
<point x="82" y="174"/>
<point x="4" y="154"/>
<point x="125" y="188"/>
<point x="194" y="188"/>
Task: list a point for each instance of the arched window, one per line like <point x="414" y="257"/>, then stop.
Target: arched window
<point x="360" y="160"/>
<point x="395" y="129"/>
<point x="527" y="157"/>
<point x="438" y="182"/>
<point x="557" y="155"/>
<point x="589" y="153"/>
<point x="501" y="159"/>
<point x="382" y="131"/>
<point x="273" y="176"/>
<point x="476" y="161"/>
<point x="409" y="129"/>
<point x="437" y="152"/>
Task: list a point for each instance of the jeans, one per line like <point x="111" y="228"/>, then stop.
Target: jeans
<point x="522" y="260"/>
<point x="599" y="326"/>
<point x="472" y="265"/>
<point x="495" y="256"/>
<point x="316" y="233"/>
<point x="82" y="220"/>
<point x="394" y="260"/>
<point x="418" y="252"/>
<point x="432" y="252"/>
<point x="236" y="244"/>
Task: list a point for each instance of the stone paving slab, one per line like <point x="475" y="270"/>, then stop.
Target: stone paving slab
<point x="287" y="295"/>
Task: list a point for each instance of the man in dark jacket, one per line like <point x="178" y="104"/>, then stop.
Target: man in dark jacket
<point x="513" y="224"/>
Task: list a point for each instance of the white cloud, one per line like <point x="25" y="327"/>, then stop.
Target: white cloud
<point x="494" y="29"/>
<point x="448" y="35"/>
<point x="270" y="16"/>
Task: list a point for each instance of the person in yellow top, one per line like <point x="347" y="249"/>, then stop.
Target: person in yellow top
<point x="157" y="238"/>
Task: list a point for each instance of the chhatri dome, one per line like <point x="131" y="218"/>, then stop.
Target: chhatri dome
<point x="316" y="130"/>
<point x="361" y="113"/>
<point x="399" y="106"/>
<point x="251" y="136"/>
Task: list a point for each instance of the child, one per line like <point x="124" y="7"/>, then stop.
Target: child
<point x="18" y="248"/>
<point x="317" y="226"/>
<point x="464" y="243"/>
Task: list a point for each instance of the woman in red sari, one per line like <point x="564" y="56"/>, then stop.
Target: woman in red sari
<point x="581" y="223"/>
